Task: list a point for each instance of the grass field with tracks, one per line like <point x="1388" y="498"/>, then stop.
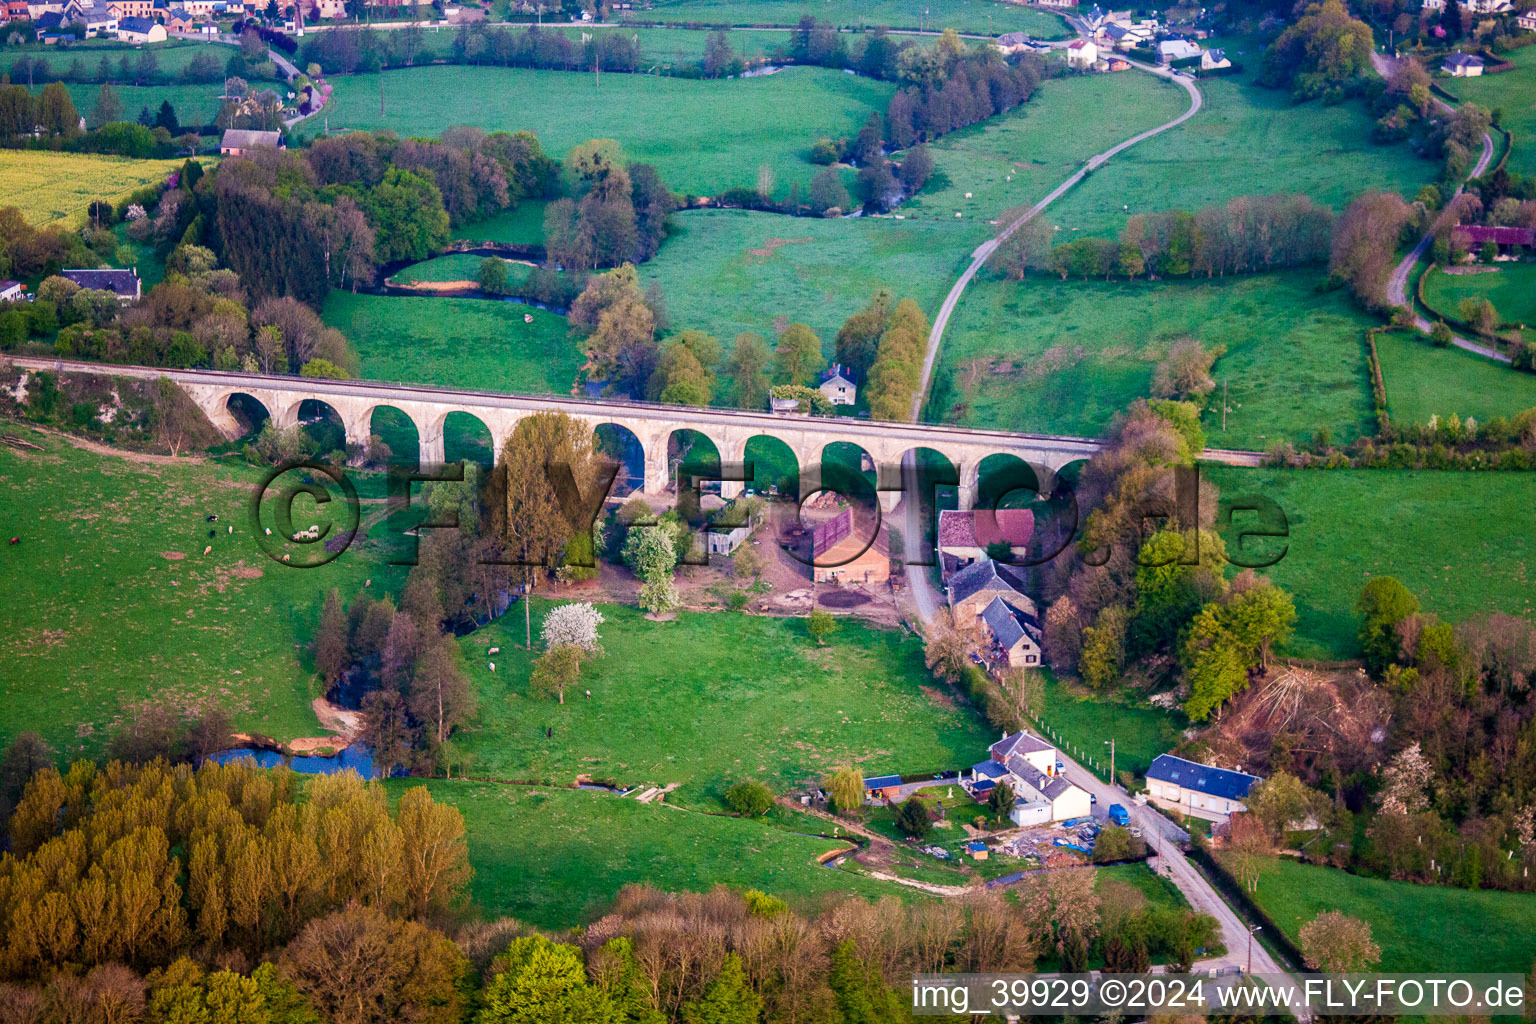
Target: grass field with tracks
<point x="464" y="343"/>
<point x="1065" y="356"/>
<point x="1461" y="541"/>
<point x="1418" y="927"/>
<point x="1511" y="287"/>
<point x="703" y="136"/>
<point x="753" y="698"/>
<point x="1424" y="381"/>
<point x="108" y="599"/>
<point x="49" y="187"/>
<point x="1509" y="92"/>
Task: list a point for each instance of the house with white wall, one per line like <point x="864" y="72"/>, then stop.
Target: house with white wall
<point x="1197" y="790"/>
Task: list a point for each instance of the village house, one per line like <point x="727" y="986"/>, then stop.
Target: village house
<point x="1463" y="65"/>
<point x="125" y="283"/>
<point x="837" y="384"/>
<point x="1013" y="42"/>
<point x="328" y="9"/>
<point x="1081" y="54"/>
<point x="1214" y="60"/>
<point x="48" y="25"/>
<point x="132" y="8"/>
<point x="964" y="536"/>
<point x="180" y="23"/>
<point x="36" y="9"/>
<point x="882" y="787"/>
<point x="1016" y="636"/>
<point x="1170" y="50"/>
<point x="10" y="291"/>
<point x="1056" y="3"/>
<point x="17" y="10"/>
<point x="140" y="30"/>
<point x="842" y="554"/>
<point x="1198" y="790"/>
<point x="1027" y="764"/>
<point x="1472" y="237"/>
<point x="1527" y="20"/>
<point x="971" y="589"/>
<point x="238" y="141"/>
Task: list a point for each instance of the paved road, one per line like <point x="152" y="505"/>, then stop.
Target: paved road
<point x="922" y="591"/>
<point x="1397" y="284"/>
<point x="985" y="250"/>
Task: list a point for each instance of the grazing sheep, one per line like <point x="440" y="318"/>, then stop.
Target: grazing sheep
<point x="230" y="529"/>
<point x="269" y="531"/>
<point x="207" y="549"/>
<point x="493" y="666"/>
<point x="213" y="518"/>
<point x="589" y="694"/>
<point x="494" y="650"/>
<point x="285" y="558"/>
<point x="15" y="541"/>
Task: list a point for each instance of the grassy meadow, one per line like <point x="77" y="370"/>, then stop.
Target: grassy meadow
<point x="49" y="187"/>
<point x="1511" y="287"/>
<point x="753" y="698"/>
<point x="1065" y="356"/>
<point x="1418" y="927"/>
<point x="979" y="16"/>
<point x="1424" y="381"/>
<point x="1511" y="93"/>
<point x="1246" y="140"/>
<point x="521" y="225"/>
<point x="1460" y="541"/>
<point x="1081" y="721"/>
<point x="108" y="599"/>
<point x="703" y="136"/>
<point x="480" y="344"/>
<point x="555" y="857"/>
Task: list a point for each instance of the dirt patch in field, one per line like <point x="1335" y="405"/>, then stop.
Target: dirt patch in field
<point x="940" y="697"/>
<point x="144" y="458"/>
<point x="774" y="244"/>
<point x="247" y="572"/>
<point x="172" y="556"/>
<point x="1471" y="270"/>
<point x="842" y="599"/>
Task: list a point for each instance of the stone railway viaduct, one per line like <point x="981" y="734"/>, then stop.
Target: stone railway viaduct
<point x="355" y="401"/>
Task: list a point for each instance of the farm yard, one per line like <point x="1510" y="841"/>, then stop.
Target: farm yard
<point x="703" y="136"/>
<point x="480" y="344"/>
<point x="1460" y="541"/>
<point x="227" y="627"/>
<point x="56" y="187"/>
<point x="1424" y="381"/>
<point x="792" y="710"/>
<point x="1418" y="927"/>
<point x="1049" y="355"/>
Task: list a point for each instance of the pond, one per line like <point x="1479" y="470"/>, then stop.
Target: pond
<point x="356" y="758"/>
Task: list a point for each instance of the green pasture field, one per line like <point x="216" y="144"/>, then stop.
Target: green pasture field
<point x="977" y="16"/>
<point x="1039" y="145"/>
<point x="108" y="600"/>
<point x="1511" y="287"/>
<point x="171" y="57"/>
<point x="195" y="104"/>
<point x="1066" y="356"/>
<point x="1509" y="92"/>
<point x="754" y="698"/>
<point x="453" y="267"/>
<point x="1081" y="721"/>
<point x="521" y="225"/>
<point x="1424" y="381"/>
<point x="703" y="136"/>
<point x="658" y="46"/>
<point x="1461" y="541"/>
<point x="480" y="344"/>
<point x="1246" y="140"/>
<point x="728" y="271"/>
<point x="1418" y="927"/>
<point x="555" y="857"/>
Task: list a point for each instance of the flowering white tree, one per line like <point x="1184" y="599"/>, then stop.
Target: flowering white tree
<point x="573" y="625"/>
<point x="1406" y="779"/>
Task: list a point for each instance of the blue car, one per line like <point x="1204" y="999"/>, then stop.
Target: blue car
<point x="1119" y="815"/>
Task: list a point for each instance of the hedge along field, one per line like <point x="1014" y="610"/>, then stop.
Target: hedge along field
<point x="1461" y="541"/>
<point x="728" y="271"/>
<point x="49" y="187"/>
<point x="755" y="698"/>
<point x="977" y="16"/>
<point x="1246" y="140"/>
<point x="1424" y="381"/>
<point x="1430" y="928"/>
<point x="480" y="344"/>
<point x="555" y="858"/>
<point x="703" y="136"/>
<point x="1511" y="92"/>
<point x="1066" y="356"/>
<point x="108" y="600"/>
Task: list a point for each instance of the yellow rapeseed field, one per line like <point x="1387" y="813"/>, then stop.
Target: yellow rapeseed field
<point x="49" y="187"/>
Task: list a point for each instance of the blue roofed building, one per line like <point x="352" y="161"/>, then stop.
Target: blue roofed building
<point x="1198" y="790"/>
<point x="882" y="787"/>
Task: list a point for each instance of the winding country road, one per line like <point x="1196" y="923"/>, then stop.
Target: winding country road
<point x="985" y="249"/>
<point x="1397" y="284"/>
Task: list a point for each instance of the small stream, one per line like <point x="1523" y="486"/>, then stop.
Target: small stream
<point x="356" y="758"/>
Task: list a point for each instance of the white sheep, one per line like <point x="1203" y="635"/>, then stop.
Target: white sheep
<point x="230" y="529"/>
<point x="494" y="650"/>
<point x="493" y="666"/>
<point x="207" y="549"/>
<point x="967" y="195"/>
<point x="269" y="531"/>
<point x="285" y="558"/>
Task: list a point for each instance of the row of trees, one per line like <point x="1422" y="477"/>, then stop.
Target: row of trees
<point x="1248" y="234"/>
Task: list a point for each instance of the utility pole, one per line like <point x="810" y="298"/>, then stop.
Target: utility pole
<point x="1251" y="929"/>
<point x="1111" y="742"/>
<point x="1223" y="405"/>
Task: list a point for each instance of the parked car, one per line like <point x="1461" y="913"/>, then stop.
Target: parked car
<point x="1119" y="815"/>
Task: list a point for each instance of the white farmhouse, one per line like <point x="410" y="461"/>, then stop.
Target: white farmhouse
<point x="1081" y="54"/>
<point x="1197" y="790"/>
<point x="1028" y="764"/>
